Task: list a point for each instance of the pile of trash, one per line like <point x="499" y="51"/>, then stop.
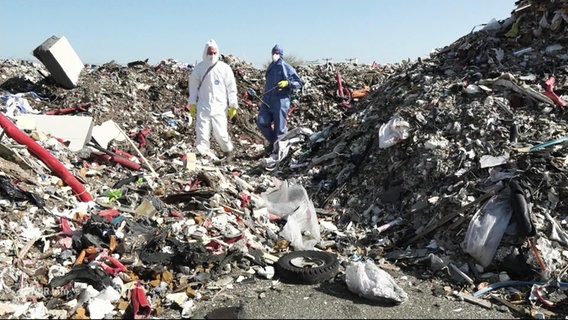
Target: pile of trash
<point x="451" y="166"/>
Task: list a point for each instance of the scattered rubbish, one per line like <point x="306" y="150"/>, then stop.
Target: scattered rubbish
<point x="451" y="165"/>
<point x="37" y="150"/>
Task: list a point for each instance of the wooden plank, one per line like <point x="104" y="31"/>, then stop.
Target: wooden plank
<point x="472" y="299"/>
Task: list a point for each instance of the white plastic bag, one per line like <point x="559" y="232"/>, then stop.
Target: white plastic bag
<point x="284" y="200"/>
<point x="393" y="132"/>
<point x="367" y="280"/>
<point x="493" y="24"/>
<point x="487" y="227"/>
<point x="292" y="203"/>
<point x="282" y="146"/>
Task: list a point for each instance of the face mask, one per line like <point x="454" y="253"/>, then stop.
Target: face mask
<point x="213" y="58"/>
<point x="275" y="57"/>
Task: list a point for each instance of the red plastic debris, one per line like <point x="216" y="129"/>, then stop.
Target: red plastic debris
<point x="294" y="107"/>
<point x="109" y="214"/>
<point x="108" y="263"/>
<point x="82" y="108"/>
<point x="114" y="267"/>
<point x="273" y="217"/>
<point x="245" y="200"/>
<point x="140" y="136"/>
<point x="215" y="247"/>
<point x="549" y="92"/>
<point x="122" y="153"/>
<point x="194" y="185"/>
<point x="174" y="213"/>
<point x="101" y="156"/>
<point x="140" y="306"/>
<point x="65" y="228"/>
<point x="234" y="239"/>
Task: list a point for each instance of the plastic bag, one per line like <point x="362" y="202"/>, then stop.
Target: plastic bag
<point x="487" y="227"/>
<point x="367" y="280"/>
<point x="284" y="200"/>
<point x="493" y="24"/>
<point x="393" y="132"/>
<point x="291" y="202"/>
<point x="283" y="144"/>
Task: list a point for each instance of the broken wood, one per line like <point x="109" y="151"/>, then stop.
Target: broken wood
<point x="472" y="299"/>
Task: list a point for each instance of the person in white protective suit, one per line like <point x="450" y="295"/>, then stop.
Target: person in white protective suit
<point x="212" y="97"/>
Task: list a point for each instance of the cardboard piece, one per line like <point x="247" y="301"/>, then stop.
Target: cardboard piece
<point x="191" y="161"/>
<point x="75" y="129"/>
<point x="106" y="132"/>
<point x="60" y="60"/>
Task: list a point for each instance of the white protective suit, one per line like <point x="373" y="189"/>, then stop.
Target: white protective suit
<point x="217" y="91"/>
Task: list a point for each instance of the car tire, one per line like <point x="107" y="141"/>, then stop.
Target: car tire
<point x="307" y="266"/>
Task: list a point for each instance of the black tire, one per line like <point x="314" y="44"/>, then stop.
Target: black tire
<point x="307" y="267"/>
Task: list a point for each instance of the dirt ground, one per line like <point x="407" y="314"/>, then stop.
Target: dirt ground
<point x="333" y="300"/>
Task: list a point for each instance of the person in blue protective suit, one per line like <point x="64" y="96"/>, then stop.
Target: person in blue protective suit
<point x="280" y="79"/>
<point x="212" y="97"/>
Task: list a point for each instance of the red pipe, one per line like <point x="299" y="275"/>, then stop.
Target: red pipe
<point x="122" y="153"/>
<point x="52" y="163"/>
<point x="118" y="159"/>
<point x="69" y="110"/>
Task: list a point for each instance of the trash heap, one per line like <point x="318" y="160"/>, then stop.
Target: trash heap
<point x="450" y="167"/>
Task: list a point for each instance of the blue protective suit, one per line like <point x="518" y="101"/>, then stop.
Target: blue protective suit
<point x="276" y="101"/>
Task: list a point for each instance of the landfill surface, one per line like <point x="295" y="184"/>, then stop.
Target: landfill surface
<point x="442" y="176"/>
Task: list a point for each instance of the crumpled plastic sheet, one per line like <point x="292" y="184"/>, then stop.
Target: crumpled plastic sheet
<point x="392" y="132"/>
<point x="283" y="144"/>
<point x="487" y="227"/>
<point x="557" y="233"/>
<point x="367" y="280"/>
<point x="292" y="203"/>
<point x="16" y="104"/>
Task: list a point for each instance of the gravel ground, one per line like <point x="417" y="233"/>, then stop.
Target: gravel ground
<point x="332" y="300"/>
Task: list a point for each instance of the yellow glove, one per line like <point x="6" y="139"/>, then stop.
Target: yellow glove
<point x="232" y="112"/>
<point x="282" y="84"/>
<point x="192" y="109"/>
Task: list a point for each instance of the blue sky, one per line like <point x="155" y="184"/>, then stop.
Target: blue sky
<point x="129" y="30"/>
